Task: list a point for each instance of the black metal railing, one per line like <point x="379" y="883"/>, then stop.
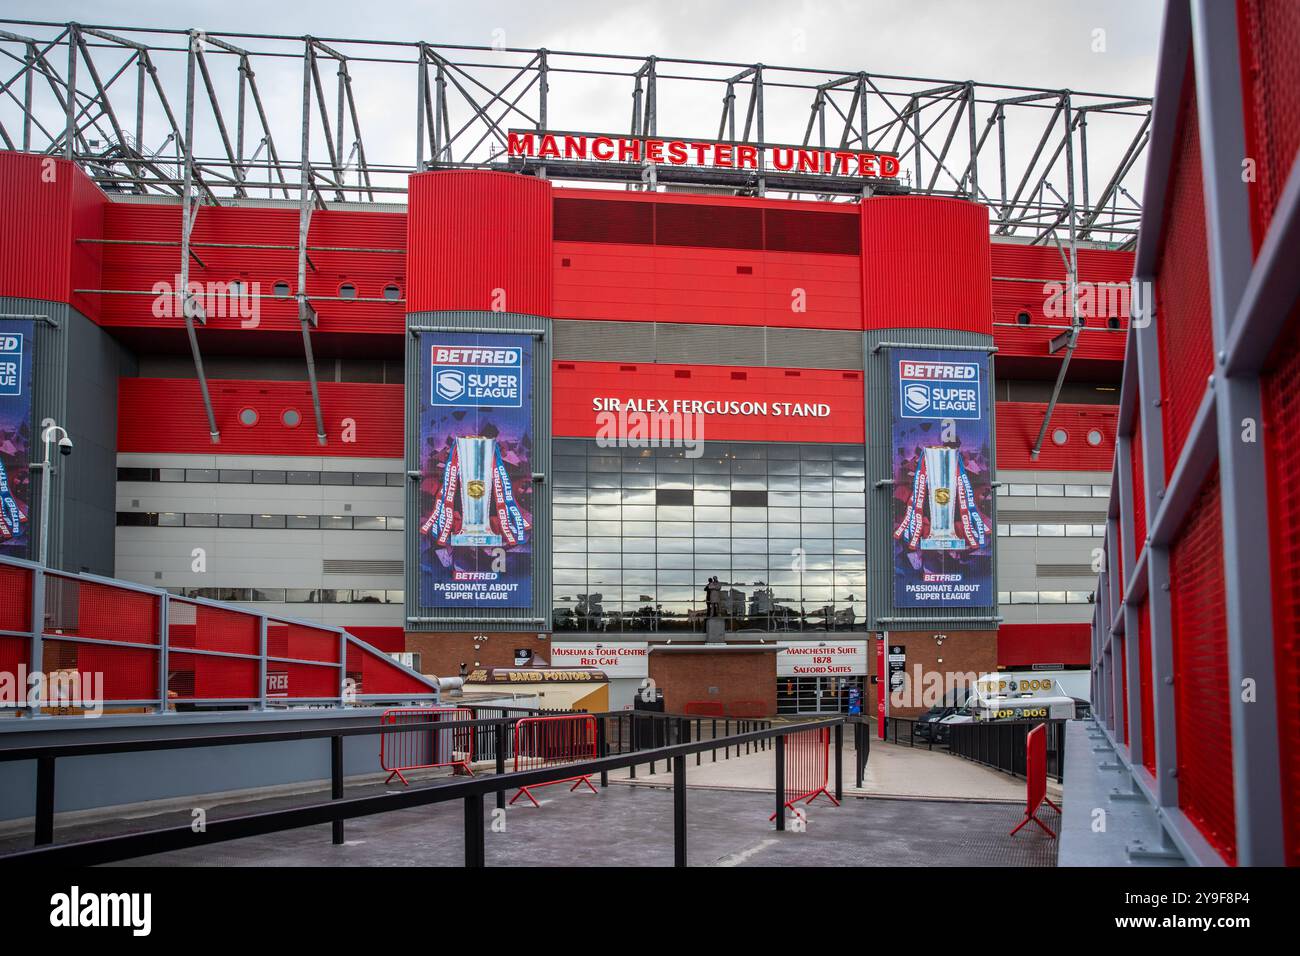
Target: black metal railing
<point x="1001" y="744"/>
<point x="472" y="790"/>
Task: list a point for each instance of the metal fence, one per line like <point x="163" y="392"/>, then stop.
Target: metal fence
<point x="472" y="791"/>
<point x="90" y="641"/>
<point x="1001" y="744"/>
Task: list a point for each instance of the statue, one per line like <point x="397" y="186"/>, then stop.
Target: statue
<point x="713" y="597"/>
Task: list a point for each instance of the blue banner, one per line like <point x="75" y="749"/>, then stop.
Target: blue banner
<point x="476" y="488"/>
<point x="15" y="436"/>
<point x="943" y="494"/>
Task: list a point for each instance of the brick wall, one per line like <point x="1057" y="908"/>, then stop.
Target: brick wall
<point x="723" y="676"/>
<point x="961" y="652"/>
<point x="442" y="653"/>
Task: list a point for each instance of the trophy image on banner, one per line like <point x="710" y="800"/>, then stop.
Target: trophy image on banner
<point x="475" y="477"/>
<point x="477" y="462"/>
<point x="942" y="486"/>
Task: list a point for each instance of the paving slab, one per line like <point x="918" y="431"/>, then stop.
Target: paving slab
<point x="623" y="826"/>
<point x="893" y="770"/>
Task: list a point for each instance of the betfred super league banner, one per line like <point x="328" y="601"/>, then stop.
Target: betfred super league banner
<point x="476" y="489"/>
<point x="15" y="436"/>
<point x="943" y="495"/>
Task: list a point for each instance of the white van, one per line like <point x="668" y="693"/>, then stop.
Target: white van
<point x="1023" y="708"/>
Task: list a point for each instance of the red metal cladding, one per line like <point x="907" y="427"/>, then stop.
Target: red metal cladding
<point x="166" y="415"/>
<point x="1018" y="424"/>
<point x="706" y="259"/>
<point x="656" y="283"/>
<point x="1201" y="685"/>
<point x="1145" y="689"/>
<point x="926" y="264"/>
<point x="804" y="405"/>
<point x="1020" y="645"/>
<point x="1183" y="289"/>
<point x="1103" y="292"/>
<point x="1281" y="387"/>
<point x="479" y="240"/>
<point x="1269" y="34"/>
<point x="137" y="270"/>
<point x="46" y="204"/>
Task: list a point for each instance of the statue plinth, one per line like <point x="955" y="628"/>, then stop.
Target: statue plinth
<point x="715" y="630"/>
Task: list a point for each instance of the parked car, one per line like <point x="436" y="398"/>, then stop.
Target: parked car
<point x="924" y="729"/>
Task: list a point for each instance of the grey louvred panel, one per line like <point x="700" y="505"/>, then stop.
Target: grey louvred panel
<point x="589" y="341"/>
<point x="362" y="566"/>
<point x="679" y="343"/>
<point x="1064" y="570"/>
<point x="709" y="345"/>
<point x="814" y="348"/>
<point x="1018" y="516"/>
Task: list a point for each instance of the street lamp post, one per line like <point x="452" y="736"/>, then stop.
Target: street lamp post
<point x="48" y="430"/>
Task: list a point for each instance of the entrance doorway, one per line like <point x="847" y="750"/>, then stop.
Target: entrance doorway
<point x="816" y="695"/>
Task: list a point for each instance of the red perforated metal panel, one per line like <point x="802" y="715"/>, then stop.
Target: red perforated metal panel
<point x="196" y="676"/>
<point x="88" y="609"/>
<point x="1205" y="790"/>
<point x="926" y="264"/>
<point x="361" y="419"/>
<point x="121" y="673"/>
<point x="376" y="674"/>
<point x="1145" y="687"/>
<point x="1281" y="387"/>
<point x="302" y="642"/>
<point x="1270" y="36"/>
<point x="472" y="233"/>
<point x="16" y="608"/>
<point x="15" y="615"/>
<point x="306" y="680"/>
<point x="1183" y="289"/>
<point x="207" y="628"/>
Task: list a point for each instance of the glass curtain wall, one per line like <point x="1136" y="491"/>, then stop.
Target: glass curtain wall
<point x="639" y="531"/>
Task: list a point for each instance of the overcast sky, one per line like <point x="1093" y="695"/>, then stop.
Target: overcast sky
<point x="1106" y="46"/>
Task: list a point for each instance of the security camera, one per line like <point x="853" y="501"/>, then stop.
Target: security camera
<point x="65" y="445"/>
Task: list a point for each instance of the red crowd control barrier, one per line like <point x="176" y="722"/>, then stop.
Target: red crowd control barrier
<point x="704" y="708"/>
<point x="554" y="742"/>
<point x="807" y="767"/>
<point x="1036" y="779"/>
<point x="424" y="747"/>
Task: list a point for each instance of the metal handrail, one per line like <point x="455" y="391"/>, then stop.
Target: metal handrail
<point x="473" y="791"/>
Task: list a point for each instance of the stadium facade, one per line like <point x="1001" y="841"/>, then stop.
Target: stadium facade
<point x="558" y="396"/>
<point x="710" y="393"/>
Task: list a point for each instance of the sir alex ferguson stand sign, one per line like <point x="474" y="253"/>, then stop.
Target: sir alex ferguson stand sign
<point x="943" y="543"/>
<point x="476" y="490"/>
